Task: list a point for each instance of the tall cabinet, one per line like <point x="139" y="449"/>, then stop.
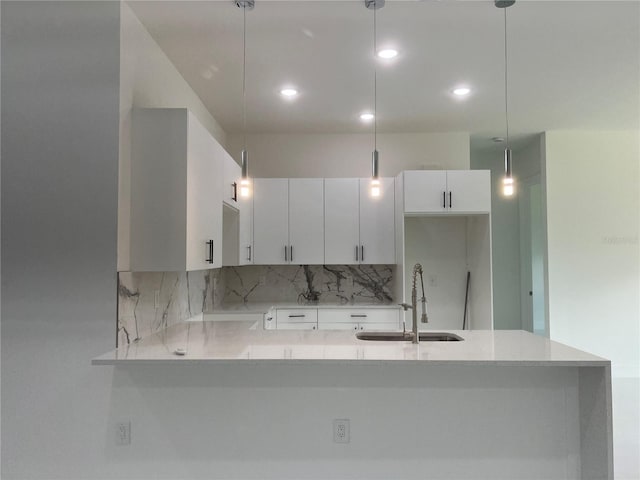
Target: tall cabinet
<point x="176" y="193"/>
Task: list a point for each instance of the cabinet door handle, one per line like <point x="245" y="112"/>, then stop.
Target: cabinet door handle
<point x="235" y="191"/>
<point x="449" y="199"/>
<point x="291" y="252"/>
<point x="286" y="259"/>
<point x="358" y="315"/>
<point x="356" y="253"/>
<point x="249" y="252"/>
<point x="210" y="245"/>
<point x="444" y="199"/>
<point x="313" y="328"/>
<point x="362" y="253"/>
<point x="297" y="316"/>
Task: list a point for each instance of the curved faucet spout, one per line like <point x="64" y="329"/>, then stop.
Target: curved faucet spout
<point x="417" y="270"/>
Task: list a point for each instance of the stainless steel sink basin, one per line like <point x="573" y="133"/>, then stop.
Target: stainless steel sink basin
<point x="408" y="336"/>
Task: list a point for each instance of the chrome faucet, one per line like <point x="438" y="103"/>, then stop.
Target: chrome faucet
<point x="417" y="269"/>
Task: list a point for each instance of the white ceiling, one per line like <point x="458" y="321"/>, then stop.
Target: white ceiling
<point x="572" y="65"/>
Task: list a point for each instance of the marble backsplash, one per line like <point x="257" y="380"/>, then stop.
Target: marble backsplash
<point x="309" y="284"/>
<point x="152" y="301"/>
<point x="149" y="302"/>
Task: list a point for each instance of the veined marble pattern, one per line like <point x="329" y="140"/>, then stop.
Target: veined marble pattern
<point x="181" y="296"/>
<point x="309" y="284"/>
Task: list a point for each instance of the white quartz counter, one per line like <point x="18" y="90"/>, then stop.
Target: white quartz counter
<point x="246" y="341"/>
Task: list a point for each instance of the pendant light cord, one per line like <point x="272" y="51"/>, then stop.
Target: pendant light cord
<point x="244" y="77"/>
<point x="506" y="79"/>
<point x="375" y="83"/>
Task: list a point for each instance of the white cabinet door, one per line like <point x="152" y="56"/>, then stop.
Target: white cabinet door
<point x="204" y="202"/>
<point x="297" y="319"/>
<point x="270" y="221"/>
<point x="245" y="234"/>
<point x="425" y="191"/>
<point x="341" y="221"/>
<point x="353" y="326"/>
<point x="231" y="182"/>
<point x="469" y="191"/>
<point x="380" y="327"/>
<point x="306" y="221"/>
<point x="377" y="222"/>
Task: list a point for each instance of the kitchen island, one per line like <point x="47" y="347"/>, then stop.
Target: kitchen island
<point x="497" y="404"/>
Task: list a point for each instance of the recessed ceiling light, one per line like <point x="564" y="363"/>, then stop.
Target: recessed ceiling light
<point x="388" y="53"/>
<point x="289" y="92"/>
<point x="366" y="117"/>
<point x="462" y="91"/>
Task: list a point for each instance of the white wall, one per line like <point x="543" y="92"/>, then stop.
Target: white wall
<point x="505" y="226"/>
<point x="349" y="155"/>
<point x="592" y="181"/>
<point x="60" y="63"/>
<point x="147" y="79"/>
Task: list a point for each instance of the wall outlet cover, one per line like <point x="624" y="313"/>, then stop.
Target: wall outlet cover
<point x="341" y="430"/>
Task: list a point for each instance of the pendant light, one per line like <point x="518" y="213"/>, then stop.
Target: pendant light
<point x="245" y="184"/>
<point x="508" y="183"/>
<point x="375" y="180"/>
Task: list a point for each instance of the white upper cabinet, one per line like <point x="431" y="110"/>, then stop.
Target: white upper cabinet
<point x="288" y="221"/>
<point x="176" y="199"/>
<point x="306" y="221"/>
<point x="425" y="191"/>
<point x="359" y="228"/>
<point x="469" y="191"/>
<point x="271" y="221"/>
<point x="341" y="221"/>
<point x="451" y="191"/>
<point x="231" y="182"/>
<point x="377" y="223"/>
<point x="245" y="206"/>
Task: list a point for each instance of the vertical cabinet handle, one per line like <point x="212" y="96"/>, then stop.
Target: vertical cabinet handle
<point x="235" y="191"/>
<point x="362" y="253"/>
<point x="356" y="253"/>
<point x="444" y="199"/>
<point x="286" y="258"/>
<point x="449" y="199"/>
<point x="291" y="252"/>
<point x="249" y="252"/>
<point x="210" y="245"/>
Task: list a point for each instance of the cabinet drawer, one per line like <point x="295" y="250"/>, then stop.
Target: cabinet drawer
<point x="288" y="316"/>
<point x="298" y="326"/>
<point x="353" y="326"/>
<point x="353" y="315"/>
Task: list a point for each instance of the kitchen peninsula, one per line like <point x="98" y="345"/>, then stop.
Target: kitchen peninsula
<point x="536" y="408"/>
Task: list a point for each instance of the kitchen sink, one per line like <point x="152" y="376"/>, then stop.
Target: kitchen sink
<point x="408" y="336"/>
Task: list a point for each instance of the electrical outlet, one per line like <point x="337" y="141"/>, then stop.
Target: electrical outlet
<point x="341" y="430"/>
<point x="156" y="299"/>
<point x="123" y="433"/>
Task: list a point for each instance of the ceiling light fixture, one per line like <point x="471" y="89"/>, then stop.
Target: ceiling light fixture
<point x="388" y="53"/>
<point x="289" y="92"/>
<point x="508" y="183"/>
<point x="462" y="91"/>
<point x="245" y="184"/>
<point x="367" y="117"/>
<point x="375" y="180"/>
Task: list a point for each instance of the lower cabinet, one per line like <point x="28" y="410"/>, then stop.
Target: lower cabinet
<point x="380" y="319"/>
<point x="297" y="319"/>
<point x="354" y="319"/>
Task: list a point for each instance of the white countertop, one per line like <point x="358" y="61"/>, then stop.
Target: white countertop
<point x="246" y="341"/>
